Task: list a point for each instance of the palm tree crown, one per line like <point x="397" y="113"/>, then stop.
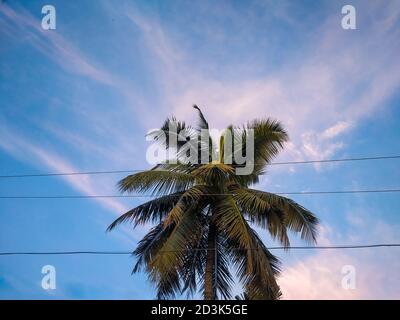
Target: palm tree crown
<point x="203" y="214"/>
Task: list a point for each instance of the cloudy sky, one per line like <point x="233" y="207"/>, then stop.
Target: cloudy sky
<point x="83" y="96"/>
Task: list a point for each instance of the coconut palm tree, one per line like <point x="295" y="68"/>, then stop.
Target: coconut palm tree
<point x="203" y="215"/>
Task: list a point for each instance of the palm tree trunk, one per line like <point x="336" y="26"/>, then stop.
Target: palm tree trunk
<point x="209" y="279"/>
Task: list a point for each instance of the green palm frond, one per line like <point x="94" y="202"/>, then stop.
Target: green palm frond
<point x="167" y="262"/>
<point x="176" y="246"/>
<point x="257" y="290"/>
<point x="151" y="211"/>
<point x="231" y="221"/>
<point x="212" y="173"/>
<point x="192" y="269"/>
<point x="224" y="278"/>
<point x="269" y="138"/>
<point x="263" y="213"/>
<point x="157" y="182"/>
<point x="150" y="245"/>
<point x="256" y="267"/>
<point x="191" y="197"/>
<point x="168" y="284"/>
<point x="297" y="218"/>
<point x="261" y="284"/>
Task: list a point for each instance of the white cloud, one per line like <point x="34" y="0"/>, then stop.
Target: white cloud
<point x="19" y="148"/>
<point x="320" y="97"/>
<point x="21" y="23"/>
<point x="319" y="275"/>
<point x="52" y="45"/>
<point x="337" y="129"/>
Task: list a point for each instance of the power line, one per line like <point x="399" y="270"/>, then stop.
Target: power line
<point x="139" y="170"/>
<point x="339" y="192"/>
<point x="336" y="160"/>
<point x="68" y="173"/>
<point x="206" y="194"/>
<point x="335" y="247"/>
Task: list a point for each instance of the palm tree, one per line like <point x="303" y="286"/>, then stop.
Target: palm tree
<point x="203" y="215"/>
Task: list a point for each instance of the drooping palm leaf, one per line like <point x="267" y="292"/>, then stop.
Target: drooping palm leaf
<point x="192" y="268"/>
<point x="152" y="211"/>
<point x="297" y="218"/>
<point x="256" y="271"/>
<point x="192" y="197"/>
<point x="184" y="235"/>
<point x="263" y="213"/>
<point x="231" y="221"/>
<point x="157" y="182"/>
<point x="224" y="278"/>
<point x="150" y="245"/>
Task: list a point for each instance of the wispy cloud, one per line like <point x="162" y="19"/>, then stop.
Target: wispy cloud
<point x="51" y="44"/>
<point x="54" y="46"/>
<point x="320" y="275"/>
<point x="20" y="147"/>
<point x="320" y="97"/>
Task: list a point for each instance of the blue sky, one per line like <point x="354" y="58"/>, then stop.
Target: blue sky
<point x="82" y="97"/>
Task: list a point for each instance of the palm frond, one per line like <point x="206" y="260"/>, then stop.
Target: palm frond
<point x="263" y="213"/>
<point x="296" y="217"/>
<point x="150" y="244"/>
<point x="231" y="221"/>
<point x="269" y="137"/>
<point x="214" y="173"/>
<point x="173" y="251"/>
<point x="261" y="284"/>
<point x="192" y="269"/>
<point x="185" y="142"/>
<point x="189" y="199"/>
<point x="256" y="271"/>
<point x="157" y="182"/>
<point x="168" y="283"/>
<point x="152" y="211"/>
<point x="224" y="278"/>
<point x="206" y="143"/>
